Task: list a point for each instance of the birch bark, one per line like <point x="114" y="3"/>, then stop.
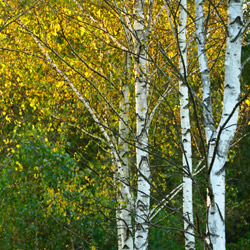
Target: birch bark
<point x="227" y="126"/>
<point x="118" y="215"/>
<point x="142" y="157"/>
<point x="186" y="133"/>
<point x="223" y="136"/>
<point x="204" y="71"/>
<point x="125" y="225"/>
<point x="206" y="90"/>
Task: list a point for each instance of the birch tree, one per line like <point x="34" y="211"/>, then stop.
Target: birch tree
<point x="122" y="61"/>
<point x="124" y="224"/>
<point x="142" y="157"/>
<point x="220" y="139"/>
<point x="186" y="131"/>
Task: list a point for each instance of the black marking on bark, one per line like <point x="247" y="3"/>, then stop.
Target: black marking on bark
<point x="228" y="86"/>
<point x="220" y="213"/>
<point x="198" y="40"/>
<point x="185" y="140"/>
<point x="143" y="158"/>
<point x="237" y="20"/>
<point x="222" y="169"/>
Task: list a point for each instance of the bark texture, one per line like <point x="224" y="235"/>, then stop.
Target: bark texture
<point x="142" y="157"/>
<point x="227" y="126"/>
<point x="204" y="71"/>
<point x="125" y="232"/>
<point x="219" y="140"/>
<point x="186" y="133"/>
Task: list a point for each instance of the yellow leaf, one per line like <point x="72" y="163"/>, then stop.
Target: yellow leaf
<point x="82" y="31"/>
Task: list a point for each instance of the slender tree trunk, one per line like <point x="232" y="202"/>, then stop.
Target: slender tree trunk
<point x="186" y="133"/>
<point x="204" y="70"/>
<point x="206" y="89"/>
<point x="142" y="157"/>
<point x="118" y="226"/>
<point x="125" y="225"/>
<point x="225" y="132"/>
<point x="227" y="126"/>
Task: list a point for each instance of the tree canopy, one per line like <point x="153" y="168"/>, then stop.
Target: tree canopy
<point x="124" y="124"/>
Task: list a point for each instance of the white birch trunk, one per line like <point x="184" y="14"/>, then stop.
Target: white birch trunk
<point x="118" y="222"/>
<point x="216" y="203"/>
<point x="204" y="70"/>
<point x="206" y="89"/>
<point x="186" y="134"/>
<point x="125" y="241"/>
<point x="142" y="157"/>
